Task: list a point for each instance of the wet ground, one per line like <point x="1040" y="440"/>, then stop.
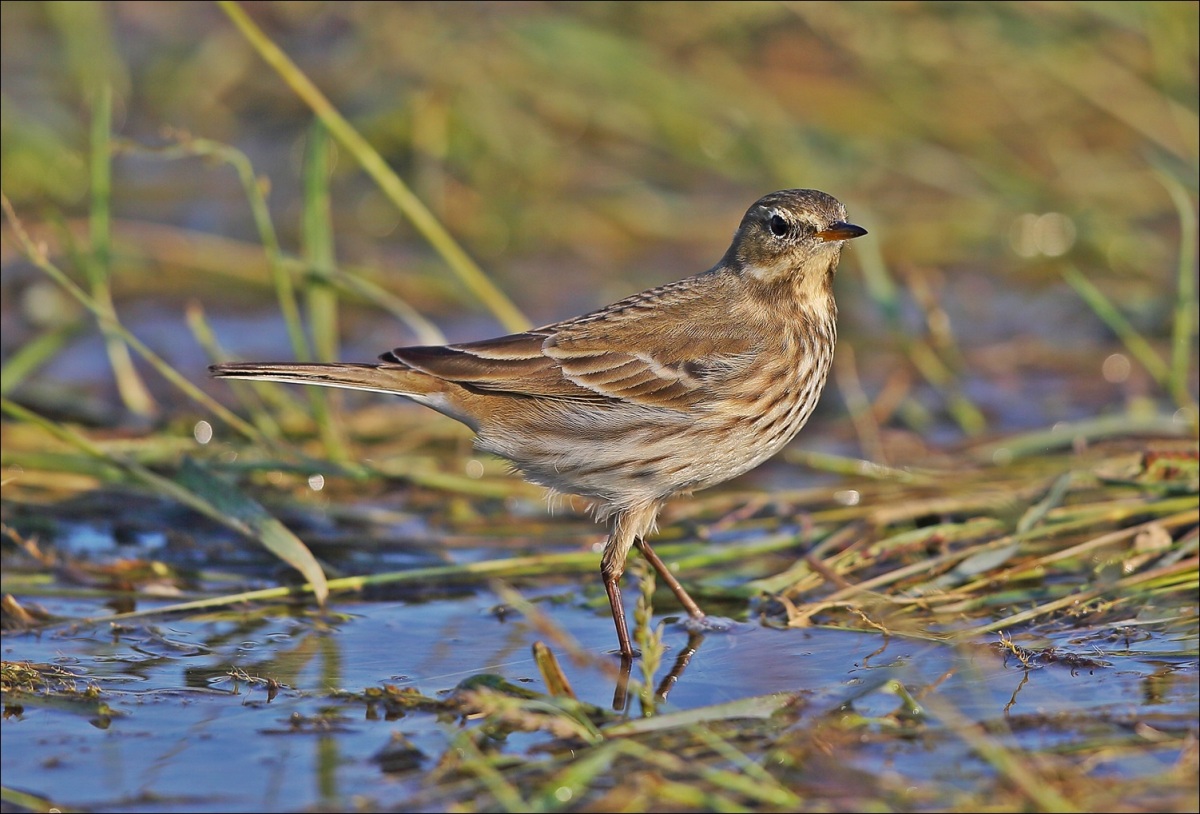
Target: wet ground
<point x="192" y="728"/>
<point x="277" y="706"/>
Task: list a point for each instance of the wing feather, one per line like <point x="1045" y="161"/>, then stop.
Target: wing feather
<point x="623" y="353"/>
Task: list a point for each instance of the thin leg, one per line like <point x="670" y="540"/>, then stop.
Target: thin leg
<point x="627" y="526"/>
<point x="688" y="603"/>
<point x="618" y="615"/>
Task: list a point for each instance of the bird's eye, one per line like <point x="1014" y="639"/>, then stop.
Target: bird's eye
<point x="778" y="226"/>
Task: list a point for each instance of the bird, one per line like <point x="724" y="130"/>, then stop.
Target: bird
<point x="665" y="392"/>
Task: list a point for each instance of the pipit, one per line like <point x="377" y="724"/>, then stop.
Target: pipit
<point x="668" y="391"/>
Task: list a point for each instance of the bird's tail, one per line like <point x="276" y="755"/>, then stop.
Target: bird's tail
<point x="393" y="379"/>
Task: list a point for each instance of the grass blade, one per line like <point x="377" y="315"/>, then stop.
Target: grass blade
<point x="1104" y="308"/>
<point x="98" y="265"/>
<point x="321" y="296"/>
<point x="198" y="490"/>
<point x="240" y="512"/>
<point x="473" y="277"/>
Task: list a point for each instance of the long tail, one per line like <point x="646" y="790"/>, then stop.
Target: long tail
<point x="393" y="379"/>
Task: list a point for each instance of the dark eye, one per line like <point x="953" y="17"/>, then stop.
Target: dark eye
<point x="778" y="226"/>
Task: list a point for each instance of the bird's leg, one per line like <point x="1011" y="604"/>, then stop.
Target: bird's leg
<point x="688" y="603"/>
<point x="611" y="578"/>
<point x="628" y="525"/>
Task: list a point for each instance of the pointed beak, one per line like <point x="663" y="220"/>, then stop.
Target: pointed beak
<point x="841" y="231"/>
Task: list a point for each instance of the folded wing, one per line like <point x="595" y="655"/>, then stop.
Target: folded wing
<point x="621" y="354"/>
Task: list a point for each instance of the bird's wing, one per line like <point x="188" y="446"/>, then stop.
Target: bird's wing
<point x="512" y="364"/>
<point x="672" y="347"/>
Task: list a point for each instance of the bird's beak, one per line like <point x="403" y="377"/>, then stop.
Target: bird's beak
<point x="841" y="231"/>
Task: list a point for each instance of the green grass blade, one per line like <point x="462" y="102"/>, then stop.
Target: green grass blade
<point x="1104" y="308"/>
<point x="203" y="333"/>
<point x="320" y="295"/>
<point x="319" y="256"/>
<point x="198" y="490"/>
<point x="246" y="515"/>
<point x="98" y="265"/>
<point x="36" y="254"/>
<point x="36" y="352"/>
<point x="473" y="277"/>
<point x="1183" y="329"/>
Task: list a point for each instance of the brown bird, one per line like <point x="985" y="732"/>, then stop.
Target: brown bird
<point x="671" y="390"/>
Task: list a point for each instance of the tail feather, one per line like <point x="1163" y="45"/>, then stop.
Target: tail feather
<point x="392" y="379"/>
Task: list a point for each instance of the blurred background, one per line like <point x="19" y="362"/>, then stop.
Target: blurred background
<point x="1021" y="167"/>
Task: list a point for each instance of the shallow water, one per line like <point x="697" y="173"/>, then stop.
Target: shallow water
<point x="185" y="736"/>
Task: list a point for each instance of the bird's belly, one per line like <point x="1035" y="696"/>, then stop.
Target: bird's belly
<point x="637" y="462"/>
